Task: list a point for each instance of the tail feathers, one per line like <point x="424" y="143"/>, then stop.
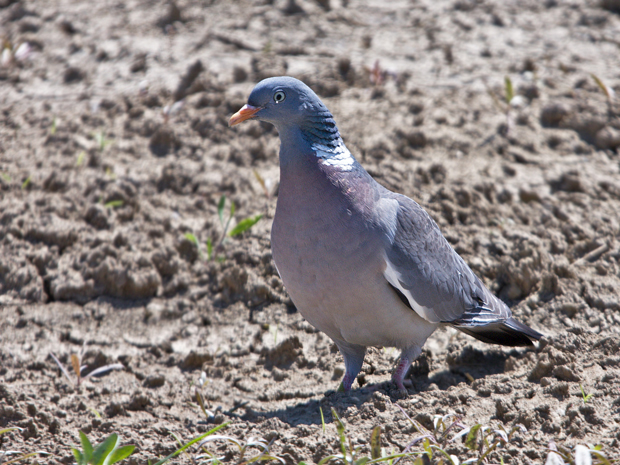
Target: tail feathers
<point x="509" y="332"/>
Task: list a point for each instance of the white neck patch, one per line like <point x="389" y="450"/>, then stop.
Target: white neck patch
<point x="338" y="157"/>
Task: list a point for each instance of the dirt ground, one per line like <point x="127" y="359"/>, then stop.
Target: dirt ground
<point x="103" y="173"/>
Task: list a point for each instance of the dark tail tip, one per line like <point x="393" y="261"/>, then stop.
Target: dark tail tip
<point x="509" y="332"/>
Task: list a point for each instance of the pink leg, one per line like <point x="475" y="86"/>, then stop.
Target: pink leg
<point x="401" y="372"/>
<point x="353" y="359"/>
<point x="407" y="357"/>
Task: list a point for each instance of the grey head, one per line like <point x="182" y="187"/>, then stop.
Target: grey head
<point x="288" y="103"/>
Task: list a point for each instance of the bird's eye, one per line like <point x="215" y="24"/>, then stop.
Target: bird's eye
<point x="279" y="96"/>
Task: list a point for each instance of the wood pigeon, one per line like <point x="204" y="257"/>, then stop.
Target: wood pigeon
<point x="367" y="266"/>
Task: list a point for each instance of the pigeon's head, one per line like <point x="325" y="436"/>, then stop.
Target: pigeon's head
<point x="281" y="101"/>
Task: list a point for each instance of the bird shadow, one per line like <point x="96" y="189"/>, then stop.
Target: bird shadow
<point x="463" y="367"/>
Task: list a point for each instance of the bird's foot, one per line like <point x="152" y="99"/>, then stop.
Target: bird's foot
<point x="346" y="383"/>
<point x="399" y="376"/>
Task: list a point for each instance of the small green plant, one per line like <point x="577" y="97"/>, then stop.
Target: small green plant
<point x="54" y="126"/>
<point x="209" y="248"/>
<point x="113" y="204"/>
<point x="4" y="454"/>
<point x="76" y="363"/>
<point x="6" y="177"/>
<point x="26" y="183"/>
<point x="510" y="100"/>
<point x="241" y="227"/>
<point x="481" y="439"/>
<point x="243" y="447"/>
<point x="580" y="455"/>
<point x="509" y="91"/>
<point x="109" y="172"/>
<point x="105" y="453"/>
<point x="193" y="239"/>
<point x="586" y="397"/>
<point x="186" y="446"/>
<point x="350" y="455"/>
<point x="80" y="158"/>
<point x="101" y="140"/>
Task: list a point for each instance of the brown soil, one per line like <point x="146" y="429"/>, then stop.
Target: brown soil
<point x="102" y="177"/>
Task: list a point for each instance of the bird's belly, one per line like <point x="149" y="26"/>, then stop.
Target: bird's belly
<point x="332" y="267"/>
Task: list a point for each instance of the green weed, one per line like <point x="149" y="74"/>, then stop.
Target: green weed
<point x="510" y="100"/>
<point x="209" y="249"/>
<point x="113" y="204"/>
<point x="105" y="453"/>
<point x="350" y="455"/>
<point x="481" y="439"/>
<point x="4" y="454"/>
<point x="193" y="239"/>
<point x="587" y="397"/>
<point x="241" y="227"/>
<point x="243" y="447"/>
<point x="80" y="158"/>
<point x="508" y="90"/>
<point x="580" y="455"/>
<point x="101" y="140"/>
<point x="26" y="183"/>
<point x="186" y="446"/>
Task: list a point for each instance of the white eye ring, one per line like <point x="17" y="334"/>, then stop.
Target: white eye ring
<point x="279" y="96"/>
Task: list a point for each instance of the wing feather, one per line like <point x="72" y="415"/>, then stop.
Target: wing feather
<point x="435" y="280"/>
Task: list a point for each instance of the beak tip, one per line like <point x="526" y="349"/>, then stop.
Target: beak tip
<point x="246" y="112"/>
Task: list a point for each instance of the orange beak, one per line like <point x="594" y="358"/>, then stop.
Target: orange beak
<point x="246" y="112"/>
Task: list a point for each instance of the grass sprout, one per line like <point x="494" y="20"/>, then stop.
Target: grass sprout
<point x="5" y="454"/>
<point x="225" y="220"/>
<point x="510" y="101"/>
<point x="586" y="397"/>
<point x="80" y="158"/>
<point x="193" y="239"/>
<point x="105" y="453"/>
<point x="580" y="455"/>
<point x="186" y="446"/>
<point x="26" y="183"/>
<point x="209" y="249"/>
<point x="481" y="439"/>
<point x="245" y="224"/>
<point x="350" y="455"/>
<point x="261" y="444"/>
<point x="113" y="204"/>
<point x="54" y="126"/>
<point x="101" y="140"/>
<point x="508" y="89"/>
<point x="78" y="368"/>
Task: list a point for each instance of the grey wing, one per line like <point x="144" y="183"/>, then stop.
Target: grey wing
<point x="431" y="277"/>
